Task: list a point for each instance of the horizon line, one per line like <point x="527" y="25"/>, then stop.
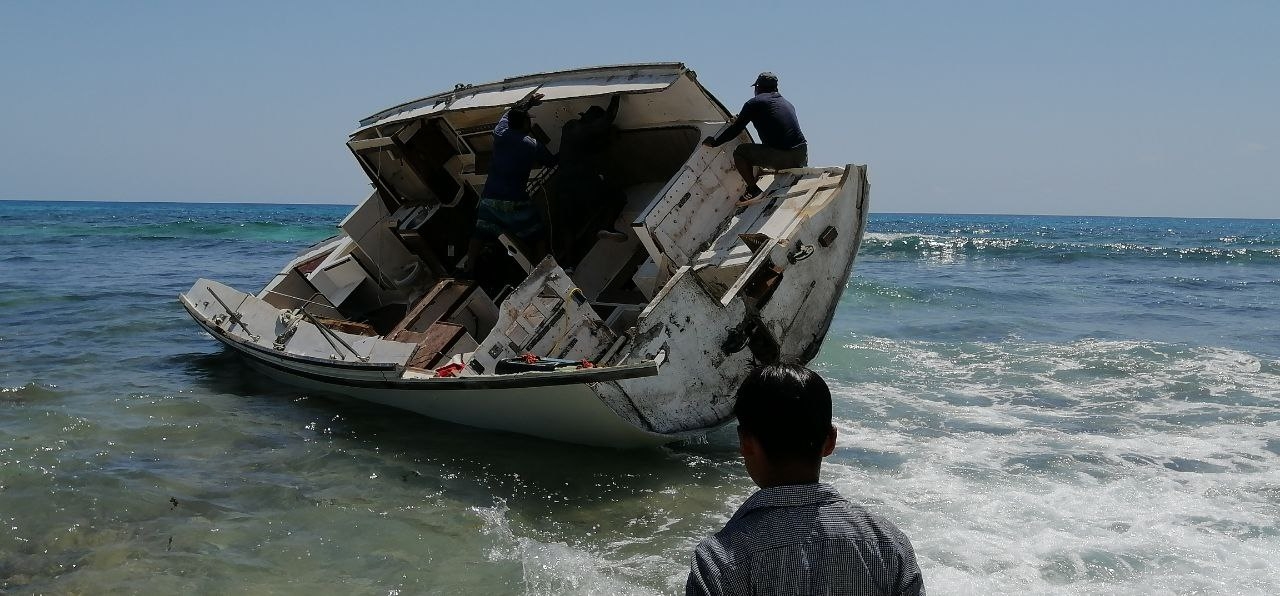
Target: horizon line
<point x="315" y="204"/>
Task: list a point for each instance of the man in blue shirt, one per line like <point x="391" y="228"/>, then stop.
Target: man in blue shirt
<point x="796" y="535"/>
<point x="505" y="205"/>
<point x="782" y="145"/>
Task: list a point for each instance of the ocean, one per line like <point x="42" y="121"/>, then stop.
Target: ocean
<point x="1045" y="405"/>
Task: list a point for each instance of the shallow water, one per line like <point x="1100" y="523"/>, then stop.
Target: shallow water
<point x="1044" y="405"/>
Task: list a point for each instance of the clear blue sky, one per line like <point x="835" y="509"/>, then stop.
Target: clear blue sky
<point x="1083" y="107"/>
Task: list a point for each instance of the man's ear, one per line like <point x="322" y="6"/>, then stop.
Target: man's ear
<point x="748" y="445"/>
<point x="829" y="446"/>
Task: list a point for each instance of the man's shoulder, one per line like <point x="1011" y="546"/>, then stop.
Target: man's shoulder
<point x="768" y="97"/>
<point x="757" y="100"/>
<point x="823" y="509"/>
<point x="853" y="514"/>
<point x="780" y="530"/>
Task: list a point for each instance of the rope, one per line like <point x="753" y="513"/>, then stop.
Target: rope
<point x="375" y="259"/>
<point x="302" y="300"/>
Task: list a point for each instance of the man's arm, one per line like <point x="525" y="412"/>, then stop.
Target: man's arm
<point x="704" y="574"/>
<point x="739" y="124"/>
<point x="504" y="123"/>
<point x="528" y="102"/>
<point x="594" y="127"/>
<point x="907" y="579"/>
<point x="612" y="111"/>
<point x="910" y="581"/>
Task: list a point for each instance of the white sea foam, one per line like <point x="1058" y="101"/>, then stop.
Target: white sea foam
<point x="1132" y="473"/>
<point x="885" y="237"/>
<point x="558" y="568"/>
<point x="1015" y="468"/>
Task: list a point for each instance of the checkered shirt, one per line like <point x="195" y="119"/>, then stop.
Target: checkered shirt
<point x="805" y="539"/>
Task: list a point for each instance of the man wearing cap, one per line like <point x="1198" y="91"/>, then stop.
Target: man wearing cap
<point x="781" y="146"/>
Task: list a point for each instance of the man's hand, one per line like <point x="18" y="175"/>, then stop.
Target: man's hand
<point x="527" y="102"/>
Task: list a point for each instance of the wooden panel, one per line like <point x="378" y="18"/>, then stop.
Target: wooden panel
<point x="434" y="344"/>
<point x="351" y="327"/>
<point x="438" y="303"/>
<point x="417" y="309"/>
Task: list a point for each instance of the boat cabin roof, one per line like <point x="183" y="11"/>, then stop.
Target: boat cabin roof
<point x="564" y="84"/>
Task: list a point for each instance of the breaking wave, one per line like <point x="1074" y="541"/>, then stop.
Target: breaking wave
<point x="975" y="246"/>
<point x="29" y="392"/>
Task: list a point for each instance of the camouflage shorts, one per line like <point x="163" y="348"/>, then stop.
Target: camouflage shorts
<point x="499" y="216"/>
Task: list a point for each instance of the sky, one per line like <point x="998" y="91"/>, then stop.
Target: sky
<point x="1127" y="108"/>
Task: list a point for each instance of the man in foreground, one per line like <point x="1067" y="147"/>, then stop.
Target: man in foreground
<point x="796" y="535"/>
<point x="782" y="145"/>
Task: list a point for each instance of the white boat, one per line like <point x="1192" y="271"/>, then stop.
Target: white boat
<point x="623" y="344"/>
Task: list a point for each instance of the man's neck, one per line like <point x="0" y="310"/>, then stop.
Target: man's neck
<point x="789" y="475"/>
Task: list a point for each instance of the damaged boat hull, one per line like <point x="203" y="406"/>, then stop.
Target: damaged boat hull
<point x="644" y="341"/>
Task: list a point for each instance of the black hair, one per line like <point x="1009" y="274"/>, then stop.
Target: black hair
<point x="518" y="119"/>
<point x="787" y="408"/>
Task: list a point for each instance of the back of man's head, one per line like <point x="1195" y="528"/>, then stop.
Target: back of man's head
<point x="518" y="119"/>
<point x="787" y="408"/>
<point x="766" y="82"/>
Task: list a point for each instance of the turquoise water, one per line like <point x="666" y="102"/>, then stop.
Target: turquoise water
<point x="1044" y="404"/>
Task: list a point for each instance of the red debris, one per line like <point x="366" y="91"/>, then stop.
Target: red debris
<point x="529" y="357"/>
<point x="450" y="370"/>
<point x="586" y="364"/>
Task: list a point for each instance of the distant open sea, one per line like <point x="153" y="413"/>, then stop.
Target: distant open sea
<point x="1065" y="405"/>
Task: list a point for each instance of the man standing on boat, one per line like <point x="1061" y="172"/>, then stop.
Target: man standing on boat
<point x="505" y="205"/>
<point x="584" y="195"/>
<point x="781" y="146"/>
<point x="796" y="535"/>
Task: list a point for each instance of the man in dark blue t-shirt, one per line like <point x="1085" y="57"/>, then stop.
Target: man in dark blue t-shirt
<point x="781" y="146"/>
<point x="505" y="205"/>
